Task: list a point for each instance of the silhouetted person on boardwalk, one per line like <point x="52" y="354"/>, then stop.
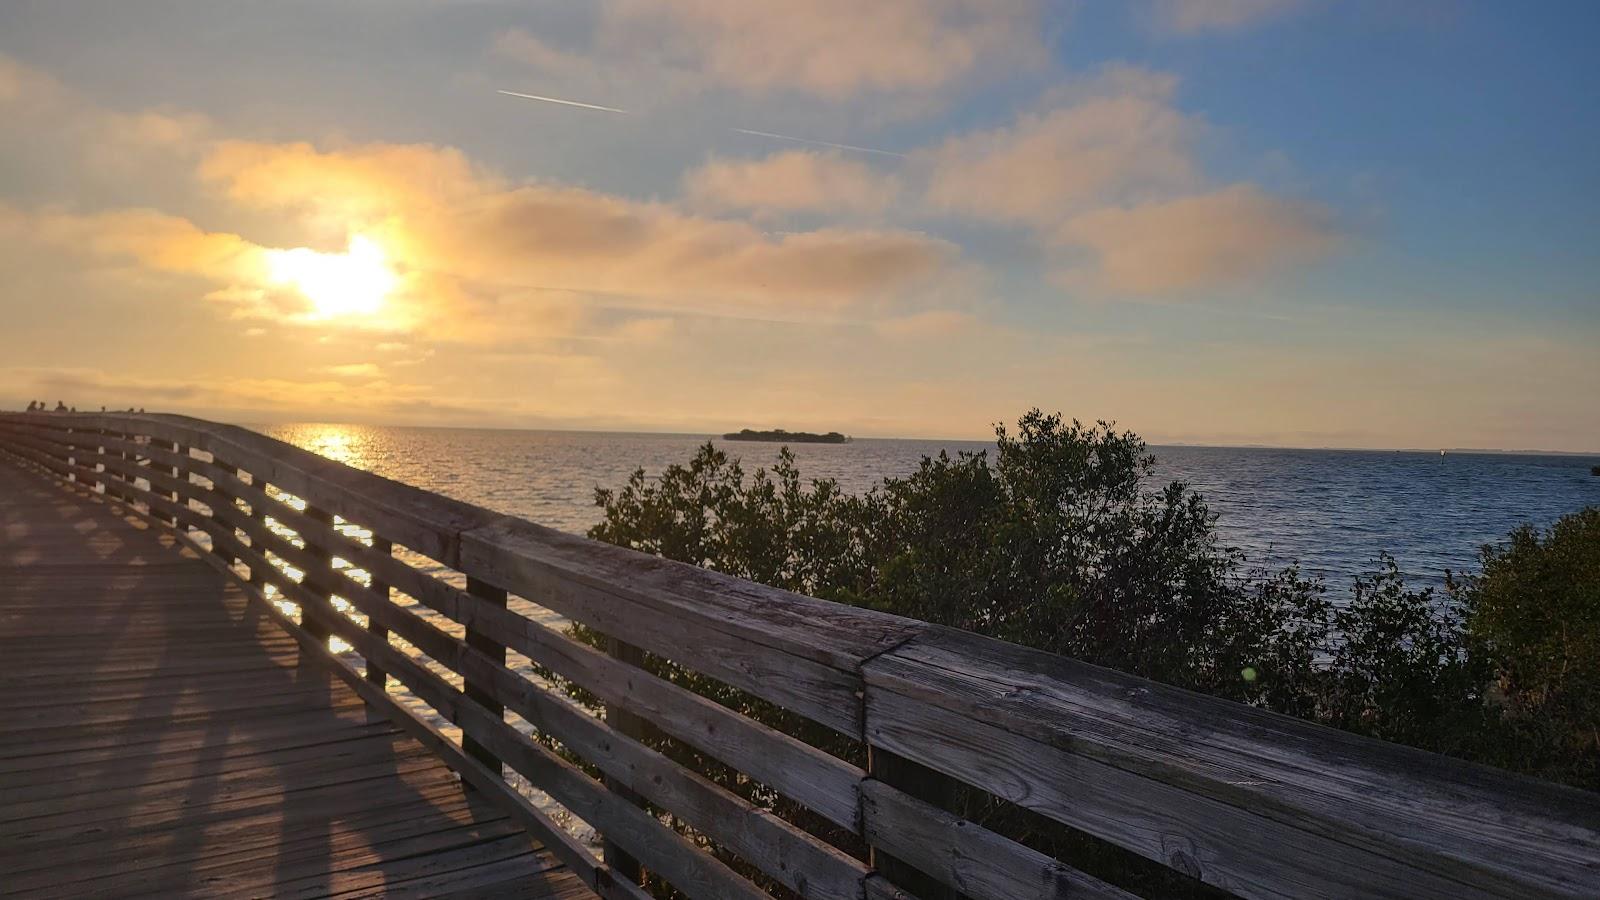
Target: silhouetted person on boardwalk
<point x="60" y="407"/>
<point x="30" y="406"/>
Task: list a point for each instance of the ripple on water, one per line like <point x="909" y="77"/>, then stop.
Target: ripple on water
<point x="1333" y="510"/>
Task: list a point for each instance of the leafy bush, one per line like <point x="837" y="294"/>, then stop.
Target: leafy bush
<point x="1535" y="624"/>
<point x="1061" y="541"/>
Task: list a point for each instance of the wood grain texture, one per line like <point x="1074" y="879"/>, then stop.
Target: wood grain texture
<point x="696" y="872"/>
<point x="785" y="852"/>
<point x="970" y="859"/>
<point x="751" y="638"/>
<point x="663" y="850"/>
<point x="1259" y="804"/>
<point x="799" y="771"/>
<point x="490" y="784"/>
<point x="195" y="753"/>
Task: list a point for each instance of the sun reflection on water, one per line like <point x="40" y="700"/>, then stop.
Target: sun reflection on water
<point x="353" y="445"/>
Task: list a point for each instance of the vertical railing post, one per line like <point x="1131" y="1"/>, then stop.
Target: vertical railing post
<point x="111" y="491"/>
<point x="91" y="456"/>
<point x="317" y="580"/>
<point x="130" y="491"/>
<point x="483" y="643"/>
<point x="218" y="495"/>
<point x="374" y="674"/>
<point x="924" y="784"/>
<point x="181" y="472"/>
<point x="165" y="470"/>
<point x="630" y="725"/>
<point x="69" y="454"/>
<point x="258" y="511"/>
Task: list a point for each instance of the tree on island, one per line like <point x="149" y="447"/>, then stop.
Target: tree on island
<point x="778" y="435"/>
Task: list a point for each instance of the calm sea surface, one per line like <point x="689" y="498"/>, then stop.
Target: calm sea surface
<point x="1332" y="510"/>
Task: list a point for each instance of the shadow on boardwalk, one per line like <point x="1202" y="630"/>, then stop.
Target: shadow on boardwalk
<point x="158" y="736"/>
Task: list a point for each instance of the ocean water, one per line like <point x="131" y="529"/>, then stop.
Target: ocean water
<point x="1333" y="511"/>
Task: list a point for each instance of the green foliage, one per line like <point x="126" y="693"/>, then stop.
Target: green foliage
<point x="1534" y="618"/>
<point x="773" y="529"/>
<point x="1402" y="670"/>
<point x="1061" y="541"/>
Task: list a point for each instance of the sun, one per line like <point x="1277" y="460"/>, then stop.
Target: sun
<point x="353" y="283"/>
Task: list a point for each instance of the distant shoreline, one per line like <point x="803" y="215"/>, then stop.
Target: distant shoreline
<point x="256" y="423"/>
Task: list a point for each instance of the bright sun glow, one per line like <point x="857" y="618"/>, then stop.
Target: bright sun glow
<point x="337" y="284"/>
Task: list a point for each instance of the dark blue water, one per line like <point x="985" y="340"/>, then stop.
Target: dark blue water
<point x="1332" y="510"/>
<point x="1336" y="510"/>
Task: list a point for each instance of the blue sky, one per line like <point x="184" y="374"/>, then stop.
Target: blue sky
<point x="1300" y="222"/>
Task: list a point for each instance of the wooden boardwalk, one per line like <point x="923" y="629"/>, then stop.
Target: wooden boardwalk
<point x="160" y="734"/>
<point x="158" y="737"/>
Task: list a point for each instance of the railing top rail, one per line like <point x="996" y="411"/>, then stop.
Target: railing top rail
<point x="440" y="523"/>
<point x="1254" y="801"/>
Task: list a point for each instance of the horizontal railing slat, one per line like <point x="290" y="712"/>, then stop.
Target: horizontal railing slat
<point x="1147" y="766"/>
<point x="781" y="850"/>
<point x="817" y="690"/>
<point x="799" y="771"/>
<point x="662" y="849"/>
<point x="668" y="853"/>
<point x="790" y="854"/>
<point x="1256" y="803"/>
<point x="568" y="849"/>
<point x="977" y="862"/>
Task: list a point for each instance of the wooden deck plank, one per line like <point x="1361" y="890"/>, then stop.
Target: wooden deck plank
<point x="327" y="850"/>
<point x="148" y="772"/>
<point x="158" y="736"/>
<point x="163" y="854"/>
<point x="183" y="744"/>
<point x="217" y="823"/>
<point x="83" y="735"/>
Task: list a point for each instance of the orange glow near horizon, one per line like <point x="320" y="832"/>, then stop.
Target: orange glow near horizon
<point x="353" y="283"/>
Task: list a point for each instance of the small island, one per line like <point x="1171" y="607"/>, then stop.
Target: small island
<point x="778" y="435"/>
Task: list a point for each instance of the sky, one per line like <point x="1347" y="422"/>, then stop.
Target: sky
<point x="1350" y="223"/>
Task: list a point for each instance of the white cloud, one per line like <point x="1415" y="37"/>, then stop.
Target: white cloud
<point x="1116" y="137"/>
<point x="1224" y="237"/>
<point x="1107" y="178"/>
<point x="792" y="181"/>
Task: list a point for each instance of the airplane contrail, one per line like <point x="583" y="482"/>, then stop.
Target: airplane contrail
<point x="609" y="109"/>
<point x="790" y="137"/>
<point x="750" y="131"/>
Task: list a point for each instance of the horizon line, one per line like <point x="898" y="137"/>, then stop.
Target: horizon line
<point x="1169" y="442"/>
<point x="250" y="418"/>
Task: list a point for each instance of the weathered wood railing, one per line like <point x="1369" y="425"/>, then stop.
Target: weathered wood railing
<point x="1254" y="803"/>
